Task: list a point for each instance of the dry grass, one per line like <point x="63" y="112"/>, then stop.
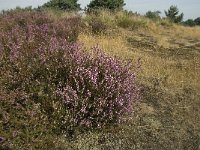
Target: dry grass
<point x="167" y="116"/>
<point x="179" y="72"/>
<point x="175" y="35"/>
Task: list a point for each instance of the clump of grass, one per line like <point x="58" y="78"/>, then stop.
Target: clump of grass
<point x="165" y="23"/>
<point x="102" y="15"/>
<point x="99" y="21"/>
<point x="121" y="19"/>
<point x="128" y="21"/>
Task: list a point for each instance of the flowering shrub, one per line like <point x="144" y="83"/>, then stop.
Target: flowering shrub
<point x="73" y="87"/>
<point x="38" y="26"/>
<point x="99" y="89"/>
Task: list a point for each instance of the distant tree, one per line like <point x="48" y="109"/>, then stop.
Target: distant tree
<point x="107" y="4"/>
<point x="153" y="15"/>
<point x="28" y="8"/>
<point x="172" y="14"/>
<point x="63" y="4"/>
<point x="197" y="21"/>
<point x="189" y="22"/>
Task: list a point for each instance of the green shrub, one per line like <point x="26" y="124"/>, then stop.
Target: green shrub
<point x="130" y="22"/>
<point x="197" y="21"/>
<point x="153" y="15"/>
<point x="104" y="18"/>
<point x="189" y="22"/>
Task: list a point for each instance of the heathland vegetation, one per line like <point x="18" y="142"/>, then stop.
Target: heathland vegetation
<point x="107" y="78"/>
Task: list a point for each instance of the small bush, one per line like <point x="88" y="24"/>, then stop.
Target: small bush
<point x="102" y="15"/>
<point x="101" y="92"/>
<point x="155" y="15"/>
<point x="97" y="26"/>
<point x="197" y="21"/>
<point x="131" y="22"/>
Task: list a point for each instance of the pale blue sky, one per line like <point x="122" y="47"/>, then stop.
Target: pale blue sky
<point x="190" y="8"/>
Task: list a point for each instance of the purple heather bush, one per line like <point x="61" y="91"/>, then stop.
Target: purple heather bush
<point x="73" y="87"/>
<point x="99" y="89"/>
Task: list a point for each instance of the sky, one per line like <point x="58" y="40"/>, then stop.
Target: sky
<point x="190" y="8"/>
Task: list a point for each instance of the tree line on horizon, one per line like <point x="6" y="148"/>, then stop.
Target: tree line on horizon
<point x="172" y="14"/>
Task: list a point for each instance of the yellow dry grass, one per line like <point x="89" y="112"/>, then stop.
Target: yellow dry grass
<point x="177" y="72"/>
<point x="171" y="106"/>
<point x="177" y="33"/>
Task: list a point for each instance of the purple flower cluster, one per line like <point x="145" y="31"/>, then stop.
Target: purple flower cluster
<point x="35" y="31"/>
<point x="99" y="89"/>
<point x="95" y="89"/>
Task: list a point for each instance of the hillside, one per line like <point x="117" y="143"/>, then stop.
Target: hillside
<point x="167" y="114"/>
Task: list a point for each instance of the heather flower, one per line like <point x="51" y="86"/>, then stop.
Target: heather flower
<point x="100" y="90"/>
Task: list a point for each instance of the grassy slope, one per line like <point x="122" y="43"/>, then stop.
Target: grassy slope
<point x="167" y="116"/>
